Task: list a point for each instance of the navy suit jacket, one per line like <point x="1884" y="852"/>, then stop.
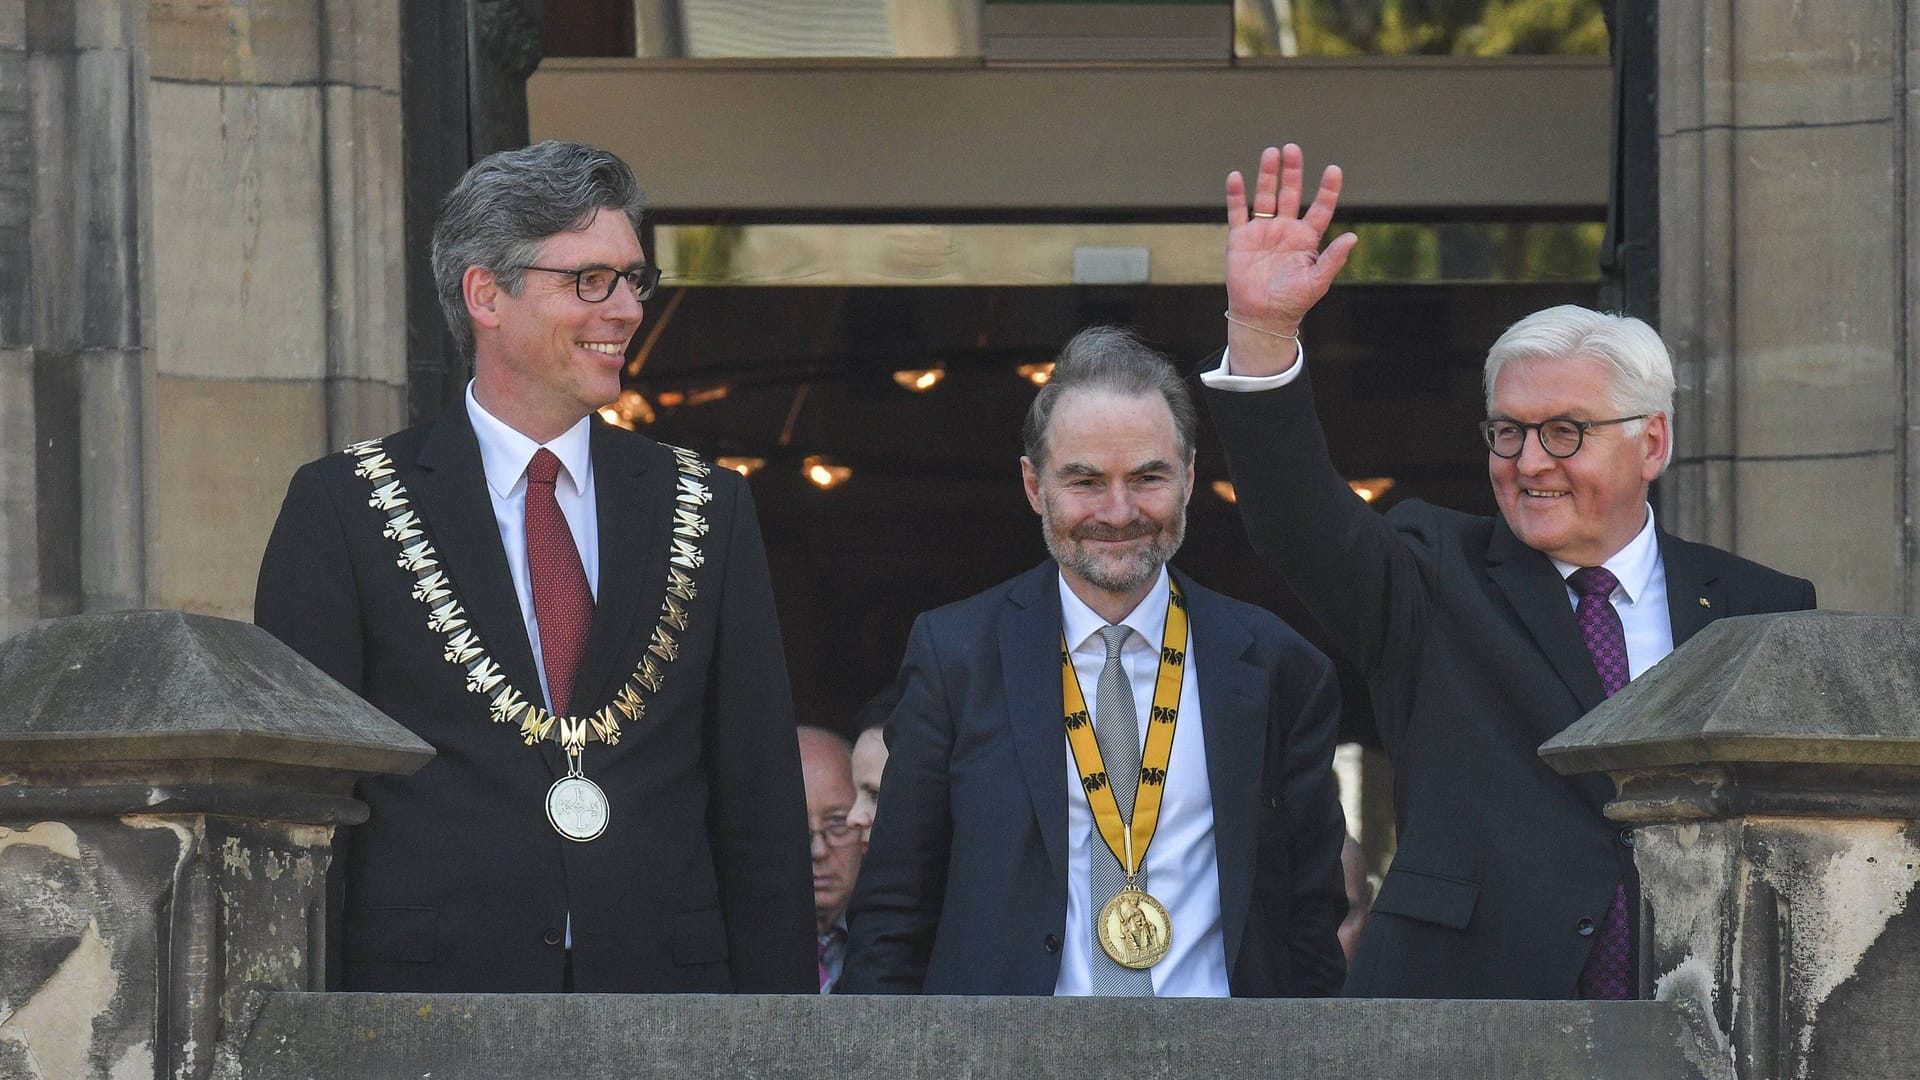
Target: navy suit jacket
<point x="1473" y="658"/>
<point x="457" y="883"/>
<point x="964" y="890"/>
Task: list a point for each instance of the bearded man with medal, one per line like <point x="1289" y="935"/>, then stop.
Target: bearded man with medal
<point x="577" y="618"/>
<point x="1103" y="777"/>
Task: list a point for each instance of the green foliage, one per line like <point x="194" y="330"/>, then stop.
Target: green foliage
<point x="1436" y="28"/>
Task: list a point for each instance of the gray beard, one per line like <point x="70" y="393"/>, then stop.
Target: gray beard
<point x="1133" y="573"/>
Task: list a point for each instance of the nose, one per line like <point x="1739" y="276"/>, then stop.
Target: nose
<point x="1534" y="459"/>
<point x="819" y="845"/>
<point x="624" y="303"/>
<point x="1116" y="506"/>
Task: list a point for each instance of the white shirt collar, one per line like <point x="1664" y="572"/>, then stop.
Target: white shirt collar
<point x="1148" y="619"/>
<point x="504" y="452"/>
<point x="1632" y="565"/>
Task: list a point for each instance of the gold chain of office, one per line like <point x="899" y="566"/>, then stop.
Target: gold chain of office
<point x="445" y="615"/>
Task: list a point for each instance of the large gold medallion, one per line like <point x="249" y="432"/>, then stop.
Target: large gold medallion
<point x="1134" y="929"/>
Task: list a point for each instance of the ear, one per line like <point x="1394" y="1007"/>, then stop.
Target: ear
<point x="482" y="291"/>
<point x="1189" y="499"/>
<point x="1655" y="440"/>
<point x="1030" y="480"/>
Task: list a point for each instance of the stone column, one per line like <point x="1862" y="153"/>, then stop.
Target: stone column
<point x="1770" y="771"/>
<point x="169" y="787"/>
<point x="1786" y="244"/>
<point x="278" y="283"/>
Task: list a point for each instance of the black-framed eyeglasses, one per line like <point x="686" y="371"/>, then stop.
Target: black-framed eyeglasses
<point x="836" y="833"/>
<point x="595" y="283"/>
<point x="1560" y="436"/>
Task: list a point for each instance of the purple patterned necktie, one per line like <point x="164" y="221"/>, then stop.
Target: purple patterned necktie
<point x="1609" y="971"/>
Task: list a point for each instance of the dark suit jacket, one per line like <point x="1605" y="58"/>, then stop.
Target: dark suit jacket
<point x="457" y="882"/>
<point x="964" y="890"/>
<point x="1469" y="646"/>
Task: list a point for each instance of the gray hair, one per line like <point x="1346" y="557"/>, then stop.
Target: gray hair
<point x="1112" y="359"/>
<point x="1636" y="358"/>
<point x="507" y="205"/>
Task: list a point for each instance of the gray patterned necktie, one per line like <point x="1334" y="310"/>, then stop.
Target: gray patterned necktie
<point x="1116" y="726"/>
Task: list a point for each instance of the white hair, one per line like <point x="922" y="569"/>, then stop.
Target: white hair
<point x="1641" y="368"/>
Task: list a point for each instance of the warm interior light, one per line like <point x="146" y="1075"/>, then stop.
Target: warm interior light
<point x="627" y="409"/>
<point x="1371" y="487"/>
<point x="745" y="466"/>
<point x="1224" y="489"/>
<point x="920" y="380"/>
<point x="670" y="399"/>
<point x="1037" y="374"/>
<point x="824" y="473"/>
<point x="711" y="393"/>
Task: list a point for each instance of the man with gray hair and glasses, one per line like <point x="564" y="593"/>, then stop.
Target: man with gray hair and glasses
<point x="1105" y="778"/>
<point x="1480" y="637"/>
<point x="577" y="618"/>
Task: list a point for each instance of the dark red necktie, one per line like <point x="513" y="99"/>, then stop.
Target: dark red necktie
<point x="562" y="603"/>
<point x="1609" y="971"/>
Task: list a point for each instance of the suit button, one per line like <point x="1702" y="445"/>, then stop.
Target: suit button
<point x="1052" y="942"/>
<point x="1626" y="837"/>
<point x="1585" y="927"/>
<point x="551" y="937"/>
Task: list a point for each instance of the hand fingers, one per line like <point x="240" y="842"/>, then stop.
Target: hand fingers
<point x="1332" y="260"/>
<point x="1264" y="199"/>
<point x="1236" y="199"/>
<point x="1292" y="168"/>
<point x="1320" y="214"/>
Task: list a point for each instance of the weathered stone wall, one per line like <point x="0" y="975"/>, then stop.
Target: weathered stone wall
<point x="1786" y="245"/>
<point x="279" y="321"/>
<point x="200" y="284"/>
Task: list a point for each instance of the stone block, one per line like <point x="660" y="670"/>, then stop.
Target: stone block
<point x="1831" y="520"/>
<point x="219" y="455"/>
<point x="239" y="280"/>
<point x="86" y="255"/>
<point x="241" y="42"/>
<point x="803" y="1037"/>
<point x="13" y="24"/>
<point x="363" y="43"/>
<point x="16" y="199"/>
<point x="19" y="494"/>
<point x="112" y="534"/>
<point x="1815" y="63"/>
<point x="1819" y="294"/>
<point x="366" y="313"/>
<point x="358" y="409"/>
<point x="1695" y="65"/>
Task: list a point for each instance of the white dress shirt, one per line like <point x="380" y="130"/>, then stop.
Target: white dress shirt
<point x="1183" y="869"/>
<point x="1641" y="598"/>
<point x="504" y="456"/>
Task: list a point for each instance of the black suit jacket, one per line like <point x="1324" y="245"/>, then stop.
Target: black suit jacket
<point x="457" y="882"/>
<point x="1469" y="646"/>
<point x="964" y="890"/>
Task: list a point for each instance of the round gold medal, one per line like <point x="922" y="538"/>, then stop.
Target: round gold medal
<point x="1134" y="929"/>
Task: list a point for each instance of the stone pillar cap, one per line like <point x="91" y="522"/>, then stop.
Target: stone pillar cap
<point x="1804" y="688"/>
<point x="170" y="686"/>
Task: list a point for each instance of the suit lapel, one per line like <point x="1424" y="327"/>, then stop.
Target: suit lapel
<point x="451" y="489"/>
<point x="624" y="496"/>
<point x="1533" y="586"/>
<point x="1030" y="663"/>
<point x="1233" y="721"/>
<point x="1693" y="591"/>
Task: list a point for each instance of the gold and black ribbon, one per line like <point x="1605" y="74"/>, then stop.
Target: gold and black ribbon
<point x="1128" y="839"/>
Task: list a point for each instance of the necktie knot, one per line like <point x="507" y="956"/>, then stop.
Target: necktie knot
<point x="1593" y="581"/>
<point x="1116" y="639"/>
<point x="544" y="468"/>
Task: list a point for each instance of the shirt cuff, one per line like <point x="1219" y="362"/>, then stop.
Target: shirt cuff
<point x="1222" y="377"/>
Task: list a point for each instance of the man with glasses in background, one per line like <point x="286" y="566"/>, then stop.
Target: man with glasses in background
<point x="826" y="763"/>
<point x="577" y="618"/>
<point x="1480" y="637"/>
